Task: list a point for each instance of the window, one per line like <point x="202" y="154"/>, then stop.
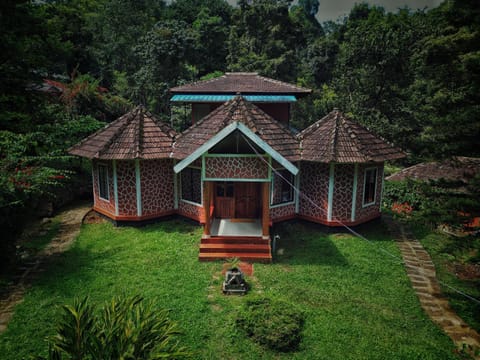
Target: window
<point x="103" y="188"/>
<point x="191" y="185"/>
<point x="282" y="191"/>
<point x="370" y="186"/>
<point x="225" y="189"/>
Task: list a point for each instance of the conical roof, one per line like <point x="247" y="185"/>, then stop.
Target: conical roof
<point x="335" y="138"/>
<point x="269" y="130"/>
<point x="136" y="135"/>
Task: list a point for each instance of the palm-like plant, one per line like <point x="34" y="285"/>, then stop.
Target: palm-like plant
<point x="125" y="328"/>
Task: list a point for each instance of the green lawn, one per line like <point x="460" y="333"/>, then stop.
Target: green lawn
<point x="358" y="302"/>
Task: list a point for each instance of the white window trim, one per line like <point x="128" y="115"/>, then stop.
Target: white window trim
<point x="364" y="187"/>
<point x="272" y="183"/>
<point x="201" y="188"/>
<point x="98" y="182"/>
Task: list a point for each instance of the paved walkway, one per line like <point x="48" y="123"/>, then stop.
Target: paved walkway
<point x="421" y="271"/>
<point x="70" y="221"/>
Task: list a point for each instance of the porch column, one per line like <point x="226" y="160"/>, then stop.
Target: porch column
<point x="265" y="208"/>
<point x="207" y="196"/>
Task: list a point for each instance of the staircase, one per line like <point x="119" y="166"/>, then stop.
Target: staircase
<point x="245" y="248"/>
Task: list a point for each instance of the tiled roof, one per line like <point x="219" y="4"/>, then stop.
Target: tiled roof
<point x="335" y="138"/>
<point x="275" y="134"/>
<point x="243" y="83"/>
<point x="456" y="169"/>
<point x="135" y="135"/>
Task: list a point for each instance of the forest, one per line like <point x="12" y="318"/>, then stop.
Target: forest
<point x="70" y="66"/>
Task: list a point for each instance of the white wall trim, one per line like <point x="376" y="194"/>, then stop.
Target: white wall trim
<point x="354" y="193"/>
<point x="115" y="186"/>
<point x="138" y="187"/>
<point x="331" y="184"/>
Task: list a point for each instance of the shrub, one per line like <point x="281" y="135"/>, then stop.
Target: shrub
<point x="272" y="323"/>
<point x="125" y="328"/>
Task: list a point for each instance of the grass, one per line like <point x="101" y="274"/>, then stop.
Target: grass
<point x="358" y="303"/>
<point x="450" y="254"/>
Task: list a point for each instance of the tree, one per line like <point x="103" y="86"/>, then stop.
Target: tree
<point x="162" y="59"/>
<point x="372" y="74"/>
<point x="446" y="93"/>
<point x="263" y="38"/>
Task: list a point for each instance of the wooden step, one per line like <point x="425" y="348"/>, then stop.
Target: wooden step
<point x="251" y="257"/>
<point x="240" y="248"/>
<point x="235" y="240"/>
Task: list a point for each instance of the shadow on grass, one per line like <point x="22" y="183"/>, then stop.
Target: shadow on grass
<point x="303" y="242"/>
<point x="170" y="224"/>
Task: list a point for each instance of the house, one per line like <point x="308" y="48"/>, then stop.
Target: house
<point x="238" y="168"/>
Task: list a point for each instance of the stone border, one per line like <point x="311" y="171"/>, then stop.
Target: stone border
<point x="421" y="271"/>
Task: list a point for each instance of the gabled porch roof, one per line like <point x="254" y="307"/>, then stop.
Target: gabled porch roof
<point x="237" y="115"/>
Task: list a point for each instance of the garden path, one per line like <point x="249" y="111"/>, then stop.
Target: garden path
<point x="421" y="271"/>
<point x="70" y="221"/>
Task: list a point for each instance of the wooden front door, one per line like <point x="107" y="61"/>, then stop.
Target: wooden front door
<point x="247" y="199"/>
<point x="224" y="200"/>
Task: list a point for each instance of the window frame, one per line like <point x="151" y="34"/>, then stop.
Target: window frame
<point x="106" y="181"/>
<point x="190" y="168"/>
<point x="292" y="192"/>
<point x="364" y="203"/>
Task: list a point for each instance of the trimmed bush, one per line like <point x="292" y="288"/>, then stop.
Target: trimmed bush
<point x="272" y="323"/>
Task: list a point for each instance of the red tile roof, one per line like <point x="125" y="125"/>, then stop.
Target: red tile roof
<point x="459" y="168"/>
<point x="243" y="83"/>
<point x="136" y="135"/>
<point x="335" y="138"/>
<point x="275" y="134"/>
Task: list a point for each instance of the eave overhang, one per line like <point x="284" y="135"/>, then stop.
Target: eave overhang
<point x="221" y="98"/>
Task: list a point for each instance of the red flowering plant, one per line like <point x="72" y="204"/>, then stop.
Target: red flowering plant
<point x="403" y="209"/>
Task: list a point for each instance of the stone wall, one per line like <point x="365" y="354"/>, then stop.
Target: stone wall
<point x="235" y="168"/>
<point x="157" y="186"/>
<point x="314" y="184"/>
<point x="343" y="192"/>
<point x="126" y="187"/>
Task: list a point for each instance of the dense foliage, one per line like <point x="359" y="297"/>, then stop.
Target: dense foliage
<point x="68" y="66"/>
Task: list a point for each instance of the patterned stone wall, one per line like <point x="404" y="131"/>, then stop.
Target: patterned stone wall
<point x="282" y="212"/>
<point x="371" y="211"/>
<point x="127" y="191"/>
<point x="314" y="184"/>
<point x="107" y="206"/>
<point x="156" y="186"/>
<point x="235" y="168"/>
<point x="343" y="192"/>
<point x="191" y="211"/>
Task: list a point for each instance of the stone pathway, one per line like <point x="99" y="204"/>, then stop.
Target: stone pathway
<point x="70" y="221"/>
<point x="421" y="271"/>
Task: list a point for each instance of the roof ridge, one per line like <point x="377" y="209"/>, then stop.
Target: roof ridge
<point x="279" y="82"/>
<point x="348" y="124"/>
<point x="129" y="118"/>
<point x="201" y="121"/>
<point x="200" y="81"/>
<point x="138" y="133"/>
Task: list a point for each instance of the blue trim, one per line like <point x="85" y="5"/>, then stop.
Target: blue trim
<point x="204" y="98"/>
